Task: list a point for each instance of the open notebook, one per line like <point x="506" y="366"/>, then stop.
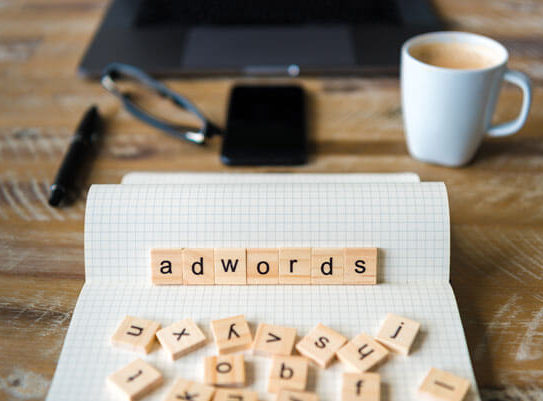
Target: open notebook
<point x="407" y="221"/>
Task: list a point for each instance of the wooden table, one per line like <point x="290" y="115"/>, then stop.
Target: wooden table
<point x="496" y="202"/>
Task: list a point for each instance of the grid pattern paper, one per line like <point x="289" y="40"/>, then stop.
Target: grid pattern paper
<point x="408" y="222"/>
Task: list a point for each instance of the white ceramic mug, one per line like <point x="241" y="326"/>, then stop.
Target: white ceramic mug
<point x="447" y="112"/>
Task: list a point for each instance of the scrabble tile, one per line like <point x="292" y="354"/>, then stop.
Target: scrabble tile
<point x="230" y="266"/>
<point x="360" y="266"/>
<point x="439" y="385"/>
<point x="398" y="333"/>
<point x="320" y="345"/>
<point x="295" y="266"/>
<point x="225" y="370"/>
<point x="135" y="380"/>
<point x="230" y="394"/>
<point x="231" y="334"/>
<point x="187" y="390"/>
<point x="291" y="395"/>
<point x="263" y="266"/>
<point x="289" y="372"/>
<point x="274" y="340"/>
<point x="181" y="338"/>
<point x="198" y="266"/>
<point x="167" y="266"/>
<point x="362" y="353"/>
<point x="361" y="387"/>
<point x="327" y="265"/>
<point x="135" y="334"/>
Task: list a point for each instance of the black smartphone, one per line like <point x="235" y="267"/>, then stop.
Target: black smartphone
<point x="265" y="126"/>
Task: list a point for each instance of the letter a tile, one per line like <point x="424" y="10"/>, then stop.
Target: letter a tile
<point x="231" y="334"/>
<point x="289" y="372"/>
<point x="274" y="340"/>
<point x="186" y="390"/>
<point x="198" y="266"/>
<point x="327" y="265"/>
<point x="135" y="380"/>
<point x="225" y="370"/>
<point x="398" y="333"/>
<point x="135" y="334"/>
<point x="362" y="353"/>
<point x="320" y="345"/>
<point x="361" y="387"/>
<point x="230" y="266"/>
<point x="439" y="385"/>
<point x="181" y="338"/>
<point x="167" y="266"/>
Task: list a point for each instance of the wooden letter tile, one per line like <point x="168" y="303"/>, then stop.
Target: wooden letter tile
<point x="230" y="394"/>
<point x="288" y="372"/>
<point x="362" y="353"/>
<point x="291" y="395"/>
<point x="361" y="387"/>
<point x="360" y="266"/>
<point x="439" y="385"/>
<point x="230" y="266"/>
<point x="327" y="265"/>
<point x="320" y="345"/>
<point x="225" y="370"/>
<point x="135" y="334"/>
<point x="181" y="338"/>
<point x="190" y="391"/>
<point x="198" y="266"/>
<point x="135" y="380"/>
<point x="274" y="340"/>
<point x="295" y="266"/>
<point x="398" y="333"/>
<point x="262" y="266"/>
<point x="167" y="266"/>
<point x="231" y="334"/>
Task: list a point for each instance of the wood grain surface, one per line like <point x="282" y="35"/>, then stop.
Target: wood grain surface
<point x="355" y="123"/>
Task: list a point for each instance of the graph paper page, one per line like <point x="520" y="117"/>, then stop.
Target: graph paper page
<point x="408" y="222"/>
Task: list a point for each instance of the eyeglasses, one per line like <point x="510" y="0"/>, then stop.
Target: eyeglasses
<point x="116" y="71"/>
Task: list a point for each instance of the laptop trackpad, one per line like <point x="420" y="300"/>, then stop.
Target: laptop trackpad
<point x="255" y="48"/>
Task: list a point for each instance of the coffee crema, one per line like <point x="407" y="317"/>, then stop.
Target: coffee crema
<point x="455" y="55"/>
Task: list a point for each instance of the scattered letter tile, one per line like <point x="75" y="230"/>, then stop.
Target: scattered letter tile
<point x="230" y="266"/>
<point x="230" y="394"/>
<point x="231" y="334"/>
<point x="181" y="338"/>
<point x="225" y="370"/>
<point x="439" y="385"/>
<point x="136" y="379"/>
<point x="190" y="391"/>
<point x="167" y="266"/>
<point x="327" y="265"/>
<point x="291" y="395"/>
<point x="360" y="266"/>
<point x="295" y="266"/>
<point x="135" y="334"/>
<point x="274" y="340"/>
<point x="361" y="387"/>
<point x="321" y="344"/>
<point x="262" y="266"/>
<point x="398" y="333"/>
<point x="198" y="266"/>
<point x="362" y="353"/>
<point x="288" y="372"/>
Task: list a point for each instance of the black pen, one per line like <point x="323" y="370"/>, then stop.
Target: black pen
<point x="79" y="153"/>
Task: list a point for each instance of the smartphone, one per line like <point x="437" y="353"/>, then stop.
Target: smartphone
<point x="265" y="126"/>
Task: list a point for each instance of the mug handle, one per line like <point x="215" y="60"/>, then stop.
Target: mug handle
<point x="510" y="127"/>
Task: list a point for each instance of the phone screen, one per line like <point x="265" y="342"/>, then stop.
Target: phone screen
<point x="266" y="126"/>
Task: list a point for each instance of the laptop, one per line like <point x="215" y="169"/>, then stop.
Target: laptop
<point x="258" y="37"/>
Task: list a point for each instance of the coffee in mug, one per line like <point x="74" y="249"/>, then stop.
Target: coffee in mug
<point x="450" y="83"/>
